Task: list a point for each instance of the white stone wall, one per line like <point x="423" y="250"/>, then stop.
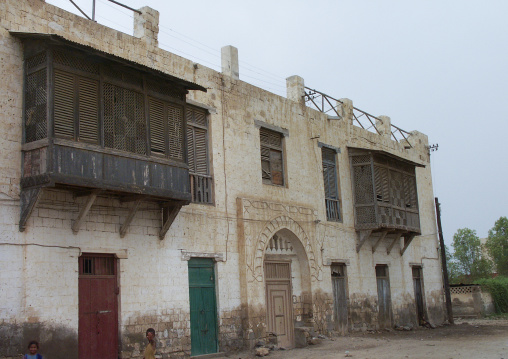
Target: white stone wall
<point x="39" y="267"/>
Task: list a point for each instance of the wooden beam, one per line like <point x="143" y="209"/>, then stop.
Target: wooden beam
<point x="363" y="236"/>
<point x="397" y="237"/>
<point x="169" y="214"/>
<point x="85" y="193"/>
<point x="381" y="237"/>
<point x="130" y="217"/>
<point x="132" y="198"/>
<point x="407" y="242"/>
<point x="28" y="201"/>
<point x="84" y="211"/>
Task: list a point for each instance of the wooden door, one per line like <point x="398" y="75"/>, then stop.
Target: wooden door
<point x="340" y="312"/>
<point x="203" y="308"/>
<point x="384" y="297"/>
<point x="279" y="311"/>
<point x="418" y="287"/>
<point x="98" y="307"/>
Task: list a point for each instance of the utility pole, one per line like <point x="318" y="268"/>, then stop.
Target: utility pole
<point x="443" y="264"/>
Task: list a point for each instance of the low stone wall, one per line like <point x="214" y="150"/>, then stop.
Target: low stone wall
<point x="471" y="301"/>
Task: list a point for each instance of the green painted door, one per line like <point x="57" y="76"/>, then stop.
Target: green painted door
<point x="203" y="309"/>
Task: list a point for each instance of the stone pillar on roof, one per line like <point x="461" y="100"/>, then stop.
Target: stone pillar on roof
<point x="229" y="62"/>
<point x="146" y="25"/>
<point x="345" y="110"/>
<point x="384" y="126"/>
<point x="295" y="89"/>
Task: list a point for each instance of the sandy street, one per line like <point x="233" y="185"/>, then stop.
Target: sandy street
<point x="467" y="339"/>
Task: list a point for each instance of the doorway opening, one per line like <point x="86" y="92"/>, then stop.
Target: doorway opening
<point x="419" y="301"/>
<point x="384" y="297"/>
<point x="98" y="306"/>
<point x="203" y="306"/>
<point x="278" y="302"/>
<point x="340" y="297"/>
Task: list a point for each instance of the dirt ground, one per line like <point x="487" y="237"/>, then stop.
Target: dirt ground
<point x="476" y="338"/>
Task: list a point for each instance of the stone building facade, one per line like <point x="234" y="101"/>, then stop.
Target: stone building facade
<point x="251" y="217"/>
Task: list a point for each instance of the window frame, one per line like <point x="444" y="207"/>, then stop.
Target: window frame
<point x="104" y="73"/>
<point x="201" y="182"/>
<point x="273" y="150"/>
<point x="335" y="170"/>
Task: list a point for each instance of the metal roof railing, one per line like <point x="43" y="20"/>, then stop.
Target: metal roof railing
<point x="329" y="105"/>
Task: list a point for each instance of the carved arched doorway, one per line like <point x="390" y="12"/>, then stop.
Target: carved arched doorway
<point x="287" y="286"/>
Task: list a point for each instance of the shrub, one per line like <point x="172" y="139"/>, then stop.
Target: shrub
<point x="498" y="289"/>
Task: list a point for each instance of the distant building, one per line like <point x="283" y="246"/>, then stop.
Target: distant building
<point x="139" y="189"/>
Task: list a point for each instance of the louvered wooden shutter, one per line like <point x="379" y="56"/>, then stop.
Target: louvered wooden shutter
<point x="329" y="173"/>
<point x="200" y="144"/>
<point x="157" y="128"/>
<point x="197" y="141"/>
<point x="88" y="104"/>
<point x="270" y="138"/>
<point x="191" y="149"/>
<point x="175" y="132"/>
<point x="199" y="117"/>
<point x="64" y="104"/>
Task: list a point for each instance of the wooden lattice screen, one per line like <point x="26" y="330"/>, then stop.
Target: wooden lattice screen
<point x="385" y="192"/>
<point x="36" y="122"/>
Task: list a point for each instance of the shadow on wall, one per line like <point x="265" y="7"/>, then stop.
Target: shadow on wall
<point x="55" y="342"/>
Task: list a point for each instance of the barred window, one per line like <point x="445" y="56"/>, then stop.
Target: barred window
<point x="272" y="166"/>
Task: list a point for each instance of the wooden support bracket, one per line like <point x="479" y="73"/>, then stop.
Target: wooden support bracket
<point x="130" y="217"/>
<point x="397" y="237"/>
<point x="407" y="242"/>
<point x="381" y="237"/>
<point x="84" y="211"/>
<point x="169" y="214"/>
<point x="364" y="235"/>
<point x="28" y="201"/>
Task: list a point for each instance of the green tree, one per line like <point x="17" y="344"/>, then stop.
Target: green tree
<point x="497" y="245"/>
<point x="468" y="256"/>
<point x="454" y="274"/>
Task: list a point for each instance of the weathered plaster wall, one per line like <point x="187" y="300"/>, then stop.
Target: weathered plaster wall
<point x="39" y="271"/>
<point x="471" y="301"/>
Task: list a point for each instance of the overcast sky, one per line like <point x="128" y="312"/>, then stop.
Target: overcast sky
<point x="439" y="67"/>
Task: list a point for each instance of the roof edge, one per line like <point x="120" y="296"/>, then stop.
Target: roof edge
<point x="58" y="39"/>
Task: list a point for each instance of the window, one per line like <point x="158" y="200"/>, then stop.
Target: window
<point x="197" y="153"/>
<point x="166" y="129"/>
<point x="36" y="98"/>
<point x="385" y="191"/>
<point x="330" y="183"/>
<point x="272" y="170"/>
<point x="104" y="103"/>
<point x="97" y="264"/>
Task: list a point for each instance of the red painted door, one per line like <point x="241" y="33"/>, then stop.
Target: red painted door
<point x="98" y="307"/>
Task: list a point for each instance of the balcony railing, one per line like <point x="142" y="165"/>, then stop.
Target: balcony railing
<point x="201" y="188"/>
<point x="332" y="209"/>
